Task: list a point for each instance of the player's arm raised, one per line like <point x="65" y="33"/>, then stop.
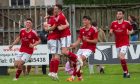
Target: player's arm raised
<point x="15" y="42"/>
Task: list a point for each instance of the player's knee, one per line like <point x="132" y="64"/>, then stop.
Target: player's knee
<point x="20" y="67"/>
<point x="121" y="56"/>
<point x="16" y="64"/>
<point x="83" y="58"/>
<point x="20" y="64"/>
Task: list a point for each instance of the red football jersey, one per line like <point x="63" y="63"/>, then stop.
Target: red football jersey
<point x="61" y="20"/>
<point x="90" y="34"/>
<point x="55" y="34"/>
<point x="26" y="39"/>
<point x="120" y="31"/>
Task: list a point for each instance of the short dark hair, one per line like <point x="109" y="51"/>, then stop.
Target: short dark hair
<point x="87" y="17"/>
<point x="50" y="11"/>
<point x="30" y="19"/>
<point x="59" y="6"/>
<point x="121" y="10"/>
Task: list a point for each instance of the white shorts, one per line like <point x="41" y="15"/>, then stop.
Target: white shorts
<point x="122" y="49"/>
<point x="65" y="41"/>
<point x="22" y="56"/>
<point x="54" y="46"/>
<point x="84" y="52"/>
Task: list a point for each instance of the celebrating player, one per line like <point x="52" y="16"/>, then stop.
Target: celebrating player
<point x="65" y="34"/>
<point x="53" y="43"/>
<point x="29" y="39"/>
<point x="121" y="29"/>
<point x="89" y="37"/>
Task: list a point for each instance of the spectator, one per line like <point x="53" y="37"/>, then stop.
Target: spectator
<point x="101" y="33"/>
<point x="134" y="23"/>
<point x="43" y="37"/>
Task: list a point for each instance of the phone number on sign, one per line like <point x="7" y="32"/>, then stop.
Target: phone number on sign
<point x="11" y="60"/>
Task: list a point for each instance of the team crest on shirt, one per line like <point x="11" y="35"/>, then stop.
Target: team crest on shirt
<point x="115" y="26"/>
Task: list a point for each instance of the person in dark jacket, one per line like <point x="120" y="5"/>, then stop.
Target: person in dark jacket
<point x="43" y="37"/>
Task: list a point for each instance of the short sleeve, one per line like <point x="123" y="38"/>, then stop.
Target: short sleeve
<point x="111" y="26"/>
<point x="36" y="36"/>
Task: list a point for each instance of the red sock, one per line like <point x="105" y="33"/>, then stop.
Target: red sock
<point x="28" y="69"/>
<point x="79" y="73"/>
<point x="72" y="57"/>
<point x="124" y="65"/>
<point x="56" y="63"/>
<point x="51" y="69"/>
<point x="74" y="72"/>
<point x="18" y="72"/>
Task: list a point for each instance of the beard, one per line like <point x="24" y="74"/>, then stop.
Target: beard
<point x="119" y="18"/>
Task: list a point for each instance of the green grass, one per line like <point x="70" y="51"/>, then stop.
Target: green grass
<point x="113" y="75"/>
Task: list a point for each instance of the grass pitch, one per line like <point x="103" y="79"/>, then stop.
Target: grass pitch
<point x="113" y="75"/>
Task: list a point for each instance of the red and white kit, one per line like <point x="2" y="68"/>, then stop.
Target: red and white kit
<point x="87" y="48"/>
<point x="65" y="35"/>
<point x="54" y="38"/>
<point x="27" y="38"/>
<point x="121" y="35"/>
